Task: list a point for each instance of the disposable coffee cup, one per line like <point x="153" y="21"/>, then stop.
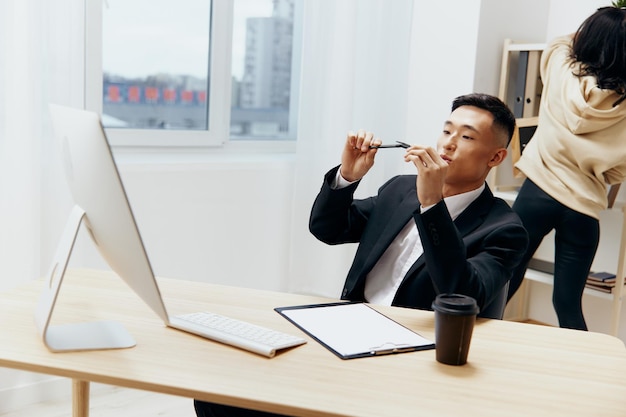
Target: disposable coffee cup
<point x="455" y="315"/>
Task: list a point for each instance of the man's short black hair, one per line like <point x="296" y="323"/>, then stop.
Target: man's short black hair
<point x="503" y="119"/>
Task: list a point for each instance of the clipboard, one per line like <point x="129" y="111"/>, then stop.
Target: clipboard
<point x="354" y="329"/>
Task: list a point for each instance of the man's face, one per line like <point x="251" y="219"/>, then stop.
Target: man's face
<point x="468" y="143"/>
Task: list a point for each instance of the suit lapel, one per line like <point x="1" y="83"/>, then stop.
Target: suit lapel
<point x="474" y="215"/>
<point x="468" y="220"/>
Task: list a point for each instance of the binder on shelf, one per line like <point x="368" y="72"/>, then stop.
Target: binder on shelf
<point x="520" y="84"/>
<point x="528" y="84"/>
<point x="533" y="85"/>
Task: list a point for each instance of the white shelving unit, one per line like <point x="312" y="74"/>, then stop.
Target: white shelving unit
<point x="504" y="181"/>
<point x="610" y="257"/>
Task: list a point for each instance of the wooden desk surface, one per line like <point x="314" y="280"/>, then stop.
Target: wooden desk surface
<point x="514" y="369"/>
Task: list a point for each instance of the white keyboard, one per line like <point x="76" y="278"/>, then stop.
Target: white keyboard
<point x="235" y="332"/>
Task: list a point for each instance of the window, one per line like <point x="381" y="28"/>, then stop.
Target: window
<point x="193" y="72"/>
<point x="263" y="45"/>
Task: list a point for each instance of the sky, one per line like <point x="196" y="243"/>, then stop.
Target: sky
<point x="143" y="37"/>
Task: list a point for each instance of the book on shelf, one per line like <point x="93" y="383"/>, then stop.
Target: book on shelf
<point x="601" y="277"/>
<point x="602" y="288"/>
<point x="601" y="281"/>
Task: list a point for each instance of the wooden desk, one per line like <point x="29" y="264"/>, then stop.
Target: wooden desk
<point x="514" y="369"/>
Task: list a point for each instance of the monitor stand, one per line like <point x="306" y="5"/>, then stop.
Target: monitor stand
<point x="95" y="335"/>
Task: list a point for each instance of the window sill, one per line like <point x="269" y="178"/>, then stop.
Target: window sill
<point x="231" y="152"/>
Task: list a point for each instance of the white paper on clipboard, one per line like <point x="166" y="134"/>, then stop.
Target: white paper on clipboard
<point x="353" y="330"/>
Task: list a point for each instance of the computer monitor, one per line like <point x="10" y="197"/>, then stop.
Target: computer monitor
<point x="101" y="206"/>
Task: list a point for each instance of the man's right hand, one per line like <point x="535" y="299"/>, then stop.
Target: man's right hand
<point x="357" y="157"/>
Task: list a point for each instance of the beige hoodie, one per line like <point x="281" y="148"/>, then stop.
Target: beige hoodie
<point x="580" y="142"/>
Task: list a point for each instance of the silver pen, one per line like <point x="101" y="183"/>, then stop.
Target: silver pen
<point x="398" y="144"/>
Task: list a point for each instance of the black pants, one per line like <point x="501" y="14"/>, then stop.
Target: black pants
<point x="204" y="409"/>
<point x="575" y="244"/>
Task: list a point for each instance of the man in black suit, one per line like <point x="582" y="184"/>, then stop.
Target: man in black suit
<point x="440" y="231"/>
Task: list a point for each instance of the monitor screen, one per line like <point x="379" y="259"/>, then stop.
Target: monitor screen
<point x="101" y="206"/>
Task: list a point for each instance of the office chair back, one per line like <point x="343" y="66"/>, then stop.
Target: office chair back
<point x="495" y="309"/>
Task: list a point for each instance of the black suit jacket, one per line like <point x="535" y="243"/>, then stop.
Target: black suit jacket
<point x="473" y="255"/>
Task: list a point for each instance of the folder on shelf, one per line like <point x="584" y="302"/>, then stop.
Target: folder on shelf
<point x="520" y="84"/>
<point x="528" y="85"/>
<point x="354" y="330"/>
<point x="533" y="85"/>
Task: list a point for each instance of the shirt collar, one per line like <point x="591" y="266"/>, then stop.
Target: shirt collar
<point x="459" y="202"/>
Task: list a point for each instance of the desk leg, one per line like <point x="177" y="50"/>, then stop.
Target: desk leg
<point x="80" y="398"/>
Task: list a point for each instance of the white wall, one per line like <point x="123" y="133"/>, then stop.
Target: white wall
<point x="521" y="21"/>
<point x="443" y="57"/>
<point x="222" y="222"/>
<point x="232" y="220"/>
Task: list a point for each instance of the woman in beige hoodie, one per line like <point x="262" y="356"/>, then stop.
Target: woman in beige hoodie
<point x="578" y="148"/>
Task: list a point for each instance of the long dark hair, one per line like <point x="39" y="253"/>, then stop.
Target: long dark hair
<point x="600" y="49"/>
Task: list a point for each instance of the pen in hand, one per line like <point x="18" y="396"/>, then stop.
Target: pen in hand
<point x="398" y="144"/>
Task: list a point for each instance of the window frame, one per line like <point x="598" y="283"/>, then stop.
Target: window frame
<point x="217" y="137"/>
<point x="218" y="130"/>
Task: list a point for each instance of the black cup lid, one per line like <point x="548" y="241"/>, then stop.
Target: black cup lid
<point x="455" y="304"/>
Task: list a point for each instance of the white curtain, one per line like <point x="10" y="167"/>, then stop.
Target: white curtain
<point x="41" y="58"/>
<point x="20" y="133"/>
<point x="354" y="75"/>
<point x="20" y="156"/>
<point x="36" y="41"/>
